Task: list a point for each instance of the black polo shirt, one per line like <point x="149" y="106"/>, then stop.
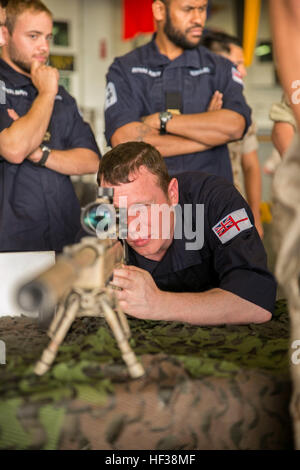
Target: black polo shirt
<point x="38" y="207"/>
<point x="232" y="256"/>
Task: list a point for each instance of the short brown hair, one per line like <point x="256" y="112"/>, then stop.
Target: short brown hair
<point x="15" y="8"/>
<point x="126" y="159"/>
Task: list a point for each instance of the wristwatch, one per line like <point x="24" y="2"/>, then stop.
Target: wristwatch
<point x="46" y="151"/>
<point x="164" y="117"/>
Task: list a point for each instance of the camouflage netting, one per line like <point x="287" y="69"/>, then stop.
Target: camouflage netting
<point x="224" y="387"/>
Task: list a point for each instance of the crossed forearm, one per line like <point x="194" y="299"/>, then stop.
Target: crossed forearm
<point x="211" y="128"/>
<point x="140" y="297"/>
<point x="187" y="133"/>
<point x="76" y="161"/>
<point x="282" y="136"/>
<point x="26" y="133"/>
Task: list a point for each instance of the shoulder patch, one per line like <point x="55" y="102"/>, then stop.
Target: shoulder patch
<point x="231" y="225"/>
<point x="11" y="91"/>
<point x="111" y="95"/>
<point x="236" y="76"/>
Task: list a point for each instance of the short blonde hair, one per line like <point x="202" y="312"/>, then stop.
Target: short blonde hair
<point x="124" y="160"/>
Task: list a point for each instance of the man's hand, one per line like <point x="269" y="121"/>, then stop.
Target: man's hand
<point x="44" y="78"/>
<point x="152" y="121"/>
<point x="139" y="297"/>
<point x="216" y="102"/>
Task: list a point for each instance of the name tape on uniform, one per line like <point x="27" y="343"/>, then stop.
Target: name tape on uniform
<point x="231" y="225"/>
<point x="145" y="70"/>
<point x="236" y="76"/>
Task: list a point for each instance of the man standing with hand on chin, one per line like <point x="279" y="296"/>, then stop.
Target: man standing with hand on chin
<point x="43" y="138"/>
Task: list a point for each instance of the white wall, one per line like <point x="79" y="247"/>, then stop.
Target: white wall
<point x="69" y="10"/>
<point x="94" y="20"/>
<point x="98" y="24"/>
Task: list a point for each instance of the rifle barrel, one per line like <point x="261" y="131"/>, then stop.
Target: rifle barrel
<point x="45" y="291"/>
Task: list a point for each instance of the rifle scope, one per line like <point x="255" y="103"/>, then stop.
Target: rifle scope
<point x="100" y="218"/>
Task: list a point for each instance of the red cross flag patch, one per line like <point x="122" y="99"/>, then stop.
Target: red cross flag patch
<point x="231" y="225"/>
<point x="236" y="76"/>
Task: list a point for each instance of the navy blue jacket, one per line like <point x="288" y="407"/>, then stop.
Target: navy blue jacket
<point x="38" y="207"/>
<point x="238" y="265"/>
<point x="137" y="84"/>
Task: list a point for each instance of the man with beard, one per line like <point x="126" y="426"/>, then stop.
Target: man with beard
<point x="171" y="274"/>
<point x="243" y="153"/>
<point x="43" y="138"/>
<point x="160" y="93"/>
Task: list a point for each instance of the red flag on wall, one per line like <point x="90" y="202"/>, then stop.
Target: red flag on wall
<point x="137" y="18"/>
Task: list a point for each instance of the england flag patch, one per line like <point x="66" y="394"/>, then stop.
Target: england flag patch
<point x="231" y="225"/>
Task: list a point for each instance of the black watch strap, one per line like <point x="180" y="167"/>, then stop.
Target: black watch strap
<point x="46" y="152"/>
